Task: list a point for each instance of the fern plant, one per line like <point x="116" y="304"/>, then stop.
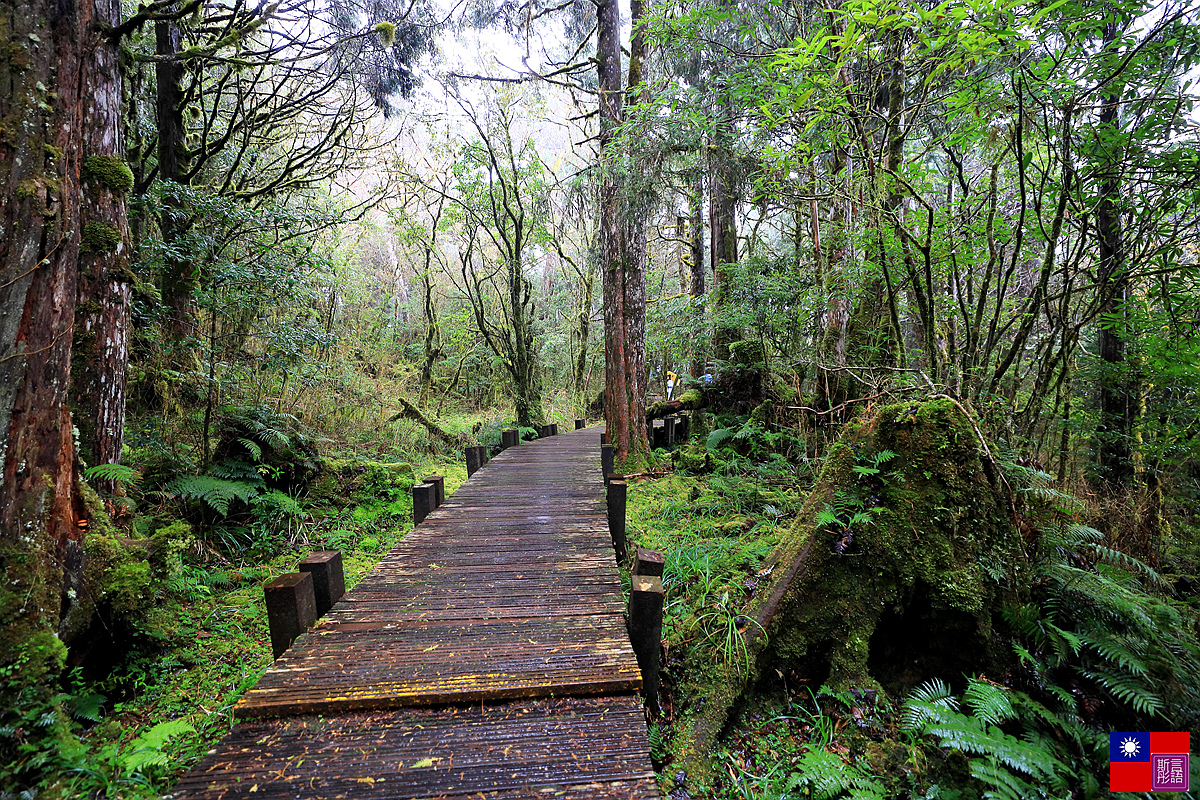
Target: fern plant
<point x="1011" y="768"/>
<point x="215" y="493"/>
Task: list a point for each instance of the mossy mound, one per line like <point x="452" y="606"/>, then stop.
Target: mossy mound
<point x="341" y="480"/>
<point x="910" y="566"/>
<point x="888" y="576"/>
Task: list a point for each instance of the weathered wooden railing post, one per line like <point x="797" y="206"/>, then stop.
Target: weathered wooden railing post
<point x="645" y="631"/>
<point x="606" y="460"/>
<point x="476" y="458"/>
<point x="580" y="424"/>
<point x="617" y="493"/>
<point x="424" y="501"/>
<point x="510" y="437"/>
<point x="329" y="581"/>
<point x="681" y="432"/>
<point x="648" y="562"/>
<point x="604" y="437"/>
<point x="554" y="429"/>
<point x="439" y="482"/>
<point x="291" y="609"/>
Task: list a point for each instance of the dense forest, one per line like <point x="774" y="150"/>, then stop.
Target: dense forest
<point x="923" y="276"/>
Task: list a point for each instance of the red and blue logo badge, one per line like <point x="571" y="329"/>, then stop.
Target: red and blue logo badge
<point x="1149" y="762"/>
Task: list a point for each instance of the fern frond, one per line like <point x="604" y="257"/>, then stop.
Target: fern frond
<point x="1129" y="689"/>
<point x="252" y="447"/>
<point x="217" y="493"/>
<point x="718" y="437"/>
<point x="988" y="701"/>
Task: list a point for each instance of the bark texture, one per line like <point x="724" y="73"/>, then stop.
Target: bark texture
<point x="42" y="102"/>
<point x="622" y="249"/>
<point x="101" y="341"/>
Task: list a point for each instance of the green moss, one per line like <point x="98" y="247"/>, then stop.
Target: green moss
<point x="386" y="32"/>
<point x="110" y="172"/>
<point x="942" y="521"/>
<point x="99" y="237"/>
<point x="341" y="480"/>
<point x="27" y="188"/>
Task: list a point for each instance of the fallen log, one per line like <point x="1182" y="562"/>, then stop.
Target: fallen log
<point x="411" y="412"/>
<point x="691" y="400"/>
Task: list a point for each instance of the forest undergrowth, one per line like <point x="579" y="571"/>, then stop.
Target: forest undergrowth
<point x="1084" y="638"/>
<point x="182" y="630"/>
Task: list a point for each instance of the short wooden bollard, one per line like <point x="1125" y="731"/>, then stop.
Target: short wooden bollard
<point x="291" y="609"/>
<point x="329" y="581"/>
<point x="645" y="631"/>
<point x="604" y="438"/>
<point x="648" y="562"/>
<point x="439" y="481"/>
<point x="580" y="424"/>
<point x="544" y="432"/>
<point x="660" y="436"/>
<point x="509" y="438"/>
<point x="617" y="492"/>
<point x="554" y="429"/>
<point x="424" y="501"/>
<point x="669" y="430"/>
<point x="476" y="458"/>
<point x="606" y="460"/>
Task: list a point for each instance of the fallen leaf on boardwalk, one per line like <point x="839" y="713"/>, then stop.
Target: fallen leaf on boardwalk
<point x="367" y="781"/>
<point x="427" y="649"/>
<point x="425" y="762"/>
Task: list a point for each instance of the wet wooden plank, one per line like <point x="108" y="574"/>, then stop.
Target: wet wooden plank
<point x="562" y="748"/>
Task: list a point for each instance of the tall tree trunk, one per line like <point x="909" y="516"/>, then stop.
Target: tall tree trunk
<point x="101" y="344"/>
<point x="622" y="259"/>
<point x="696" y="235"/>
<point x="723" y="229"/>
<point x="1118" y="409"/>
<point x="42" y="101"/>
<point x="179" y="279"/>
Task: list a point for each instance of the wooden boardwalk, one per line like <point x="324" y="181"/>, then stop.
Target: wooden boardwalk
<point x="486" y="656"/>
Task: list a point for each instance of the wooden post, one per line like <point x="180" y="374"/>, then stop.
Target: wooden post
<point x="554" y="429"/>
<point x="509" y="438"/>
<point x="660" y="436"/>
<point x="544" y="432"/>
<point x="684" y="423"/>
<point x="604" y="438"/>
<point x="669" y="430"/>
<point x="438" y="481"/>
<point x="329" y="582"/>
<point x="648" y="562"/>
<point x="617" y="489"/>
<point x="424" y="501"/>
<point x="645" y="631"/>
<point x="606" y="460"/>
<point x="291" y="609"/>
<point x="476" y="458"/>
<point x="580" y="424"/>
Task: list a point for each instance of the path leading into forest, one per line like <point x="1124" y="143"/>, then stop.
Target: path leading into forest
<point x="485" y="656"/>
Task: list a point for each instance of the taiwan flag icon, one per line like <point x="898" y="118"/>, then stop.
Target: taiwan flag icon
<point x="1149" y="762"/>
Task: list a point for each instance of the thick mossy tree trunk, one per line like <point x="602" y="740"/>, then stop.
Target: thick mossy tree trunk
<point x="907" y="586"/>
<point x="48" y="49"/>
<point x="101" y="340"/>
